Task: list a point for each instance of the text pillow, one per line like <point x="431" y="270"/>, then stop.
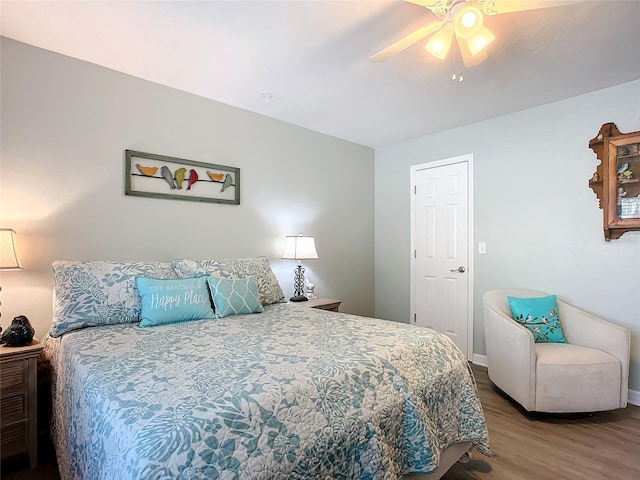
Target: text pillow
<point x="235" y="297"/>
<point x="540" y="315"/>
<point x="172" y="301"/>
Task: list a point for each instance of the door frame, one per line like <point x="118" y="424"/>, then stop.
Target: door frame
<point x="468" y="159"/>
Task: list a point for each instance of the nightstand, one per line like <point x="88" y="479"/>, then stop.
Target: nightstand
<point x="18" y="399"/>
<point x="322" y="304"/>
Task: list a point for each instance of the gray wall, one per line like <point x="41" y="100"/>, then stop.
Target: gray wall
<point x="532" y="206"/>
<point x="65" y="126"/>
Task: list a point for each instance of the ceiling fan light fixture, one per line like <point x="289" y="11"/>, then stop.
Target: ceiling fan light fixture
<point x="480" y="40"/>
<point x="468" y="21"/>
<point x="440" y="43"/>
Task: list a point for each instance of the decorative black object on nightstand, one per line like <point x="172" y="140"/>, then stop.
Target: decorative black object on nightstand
<point x="19" y="334"/>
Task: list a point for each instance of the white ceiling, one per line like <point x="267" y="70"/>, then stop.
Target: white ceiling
<point x="313" y="57"/>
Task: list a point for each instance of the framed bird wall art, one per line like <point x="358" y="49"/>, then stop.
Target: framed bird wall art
<point x="159" y="176"/>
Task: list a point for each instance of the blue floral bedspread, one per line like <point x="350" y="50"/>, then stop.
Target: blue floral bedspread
<point x="289" y="393"/>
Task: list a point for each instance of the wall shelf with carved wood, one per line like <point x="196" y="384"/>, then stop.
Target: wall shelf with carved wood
<point x="616" y="181"/>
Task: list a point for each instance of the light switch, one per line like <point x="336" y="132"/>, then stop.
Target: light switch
<point x="482" y="248"/>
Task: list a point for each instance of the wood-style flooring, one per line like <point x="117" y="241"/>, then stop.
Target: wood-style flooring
<point x="602" y="446"/>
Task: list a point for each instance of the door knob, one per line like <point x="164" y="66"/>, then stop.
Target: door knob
<point x="459" y="269"/>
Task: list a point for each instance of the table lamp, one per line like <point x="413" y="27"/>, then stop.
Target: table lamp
<point x="8" y="255"/>
<point x="298" y="248"/>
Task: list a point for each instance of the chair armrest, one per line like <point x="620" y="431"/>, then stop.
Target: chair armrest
<point x="511" y="356"/>
<point x="582" y="328"/>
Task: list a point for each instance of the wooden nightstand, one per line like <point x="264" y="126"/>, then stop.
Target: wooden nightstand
<point x="18" y="398"/>
<point x="322" y="304"/>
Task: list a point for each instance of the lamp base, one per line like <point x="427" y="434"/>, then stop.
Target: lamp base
<point x="298" y="298"/>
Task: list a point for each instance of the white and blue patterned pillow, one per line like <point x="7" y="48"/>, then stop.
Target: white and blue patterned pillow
<point x="173" y="300"/>
<point x="235" y="297"/>
<point x="88" y="294"/>
<point x="268" y="286"/>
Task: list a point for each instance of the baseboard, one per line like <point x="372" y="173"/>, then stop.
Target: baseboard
<point x="634" y="395"/>
<point x="479" y="360"/>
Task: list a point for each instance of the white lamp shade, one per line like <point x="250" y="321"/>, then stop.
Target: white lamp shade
<point x="440" y="43"/>
<point x="8" y="255"/>
<point x="480" y="40"/>
<point x="299" y="248"/>
<point x="468" y="21"/>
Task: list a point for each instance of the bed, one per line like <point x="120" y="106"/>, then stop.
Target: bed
<point x="289" y="392"/>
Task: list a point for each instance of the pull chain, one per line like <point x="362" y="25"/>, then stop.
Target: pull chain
<point x="453" y="60"/>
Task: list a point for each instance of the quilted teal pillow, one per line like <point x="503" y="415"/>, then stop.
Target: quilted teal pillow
<point x="235" y="297"/>
<point x="540" y="315"/>
<point x="172" y="301"/>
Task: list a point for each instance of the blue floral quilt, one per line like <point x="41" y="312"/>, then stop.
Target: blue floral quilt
<point x="290" y="393"/>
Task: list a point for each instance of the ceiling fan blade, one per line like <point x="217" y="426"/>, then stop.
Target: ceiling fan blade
<point x="497" y="7"/>
<point x="440" y="8"/>
<point x="422" y="3"/>
<point x="468" y="59"/>
<point x="407" y="41"/>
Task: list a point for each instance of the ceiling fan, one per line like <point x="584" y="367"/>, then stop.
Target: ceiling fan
<point x="464" y="20"/>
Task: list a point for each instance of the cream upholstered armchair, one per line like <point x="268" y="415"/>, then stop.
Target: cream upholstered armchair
<point x="589" y="373"/>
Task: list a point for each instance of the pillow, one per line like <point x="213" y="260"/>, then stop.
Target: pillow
<point x="235" y="297"/>
<point x="88" y="294"/>
<point x="172" y="301"/>
<point x="258" y="267"/>
<point x="540" y="315"/>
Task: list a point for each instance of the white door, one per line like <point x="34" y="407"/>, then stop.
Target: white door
<point x="441" y="244"/>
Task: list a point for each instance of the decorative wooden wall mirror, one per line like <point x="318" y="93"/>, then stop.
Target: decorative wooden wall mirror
<point x="616" y="181"/>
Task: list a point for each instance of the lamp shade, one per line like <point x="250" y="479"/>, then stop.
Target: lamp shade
<point x="440" y="43"/>
<point x="299" y="247"/>
<point x="480" y="40"/>
<point x="468" y="21"/>
<point x="8" y="255"/>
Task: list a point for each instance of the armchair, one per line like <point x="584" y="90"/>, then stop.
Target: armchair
<point x="589" y="373"/>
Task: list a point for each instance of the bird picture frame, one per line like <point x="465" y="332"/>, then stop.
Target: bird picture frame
<point x="160" y="176"/>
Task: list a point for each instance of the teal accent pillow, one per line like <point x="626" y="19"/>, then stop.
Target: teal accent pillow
<point x="540" y="315"/>
<point x="235" y="297"/>
<point x="172" y="301"/>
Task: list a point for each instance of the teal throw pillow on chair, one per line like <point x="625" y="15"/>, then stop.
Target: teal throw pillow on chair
<point x="235" y="297"/>
<point x="540" y="315"/>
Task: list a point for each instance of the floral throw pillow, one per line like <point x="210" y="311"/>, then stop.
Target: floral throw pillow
<point x="88" y="294"/>
<point x="540" y="315"/>
<point x="269" y="288"/>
